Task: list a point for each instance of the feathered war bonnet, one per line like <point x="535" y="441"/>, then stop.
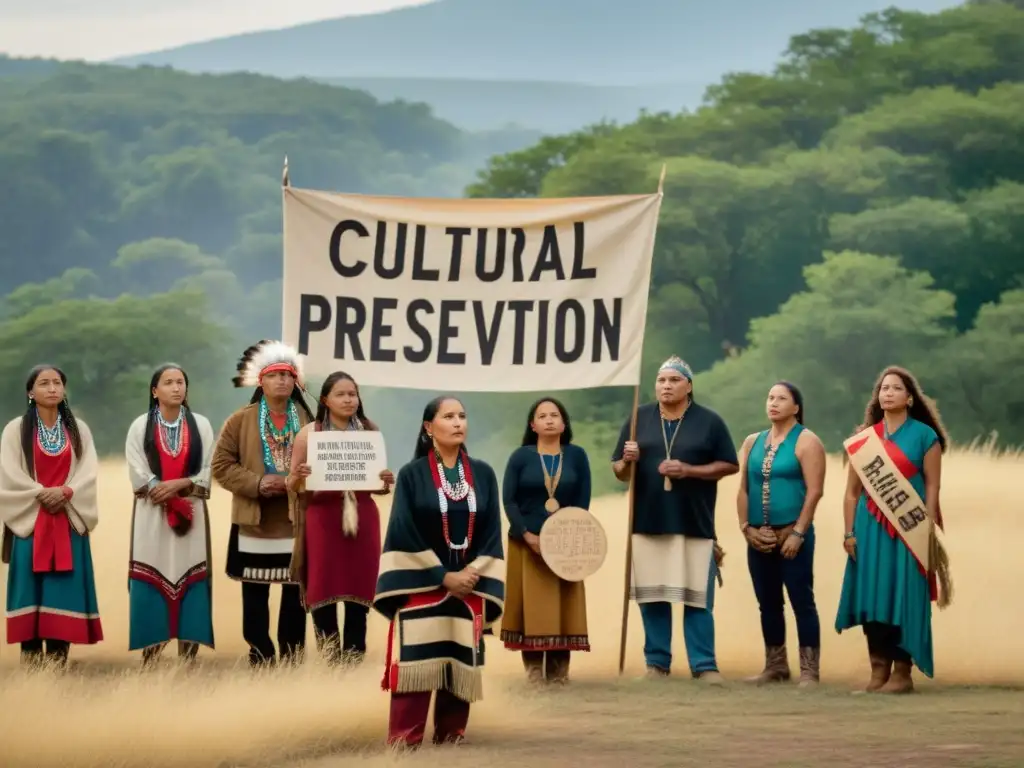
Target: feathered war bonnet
<point x="265" y="357"/>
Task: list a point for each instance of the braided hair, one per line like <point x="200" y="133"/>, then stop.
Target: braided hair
<point x="195" y="442"/>
<point x="30" y="421"/>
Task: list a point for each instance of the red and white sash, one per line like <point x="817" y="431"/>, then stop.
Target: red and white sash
<point x="885" y="472"/>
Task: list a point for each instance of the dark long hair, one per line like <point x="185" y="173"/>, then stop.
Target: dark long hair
<point x="30" y="422"/>
<point x="195" y="440"/>
<point x="424" y="445"/>
<point x="797" y="395"/>
<point x="923" y="408"/>
<point x="323" y="413"/>
<point x="530" y="437"/>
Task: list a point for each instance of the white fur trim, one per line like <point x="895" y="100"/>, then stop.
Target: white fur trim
<point x="269" y="354"/>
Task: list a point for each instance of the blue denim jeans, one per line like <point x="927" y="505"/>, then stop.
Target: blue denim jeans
<point x="698" y="632"/>
<point x="770" y="573"/>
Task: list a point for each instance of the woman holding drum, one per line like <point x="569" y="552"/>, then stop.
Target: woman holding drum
<point x="545" y="474"/>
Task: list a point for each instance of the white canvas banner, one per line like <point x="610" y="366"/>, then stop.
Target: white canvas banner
<point x="472" y="295"/>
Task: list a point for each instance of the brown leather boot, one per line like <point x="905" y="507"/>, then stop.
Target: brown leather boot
<point x="901" y="680"/>
<point x="810" y="659"/>
<point x="776" y="666"/>
<point x="881" y="668"/>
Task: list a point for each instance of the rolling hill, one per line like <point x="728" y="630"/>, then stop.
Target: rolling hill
<point x="546" y="65"/>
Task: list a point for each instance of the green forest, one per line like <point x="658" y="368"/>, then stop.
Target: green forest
<point x="862" y="205"/>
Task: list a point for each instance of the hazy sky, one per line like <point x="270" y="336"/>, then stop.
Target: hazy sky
<point x="102" y="29"/>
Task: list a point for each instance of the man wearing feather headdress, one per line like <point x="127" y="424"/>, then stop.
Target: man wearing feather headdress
<point x="251" y="461"/>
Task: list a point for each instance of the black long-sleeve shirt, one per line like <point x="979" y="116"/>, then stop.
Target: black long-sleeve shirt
<point x="524" y="494"/>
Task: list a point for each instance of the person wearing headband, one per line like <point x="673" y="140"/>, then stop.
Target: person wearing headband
<point x="681" y="451"/>
<point x="251" y="461"/>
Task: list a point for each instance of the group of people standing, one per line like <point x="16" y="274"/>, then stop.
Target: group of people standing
<point x="441" y="577"/>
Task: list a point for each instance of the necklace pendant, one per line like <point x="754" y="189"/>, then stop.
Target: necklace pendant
<point x="462" y="546"/>
<point x="668" y="483"/>
<point x="552" y="505"/>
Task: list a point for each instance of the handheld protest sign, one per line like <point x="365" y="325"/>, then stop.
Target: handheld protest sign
<point x="573" y="543"/>
<point x="346" y="461"/>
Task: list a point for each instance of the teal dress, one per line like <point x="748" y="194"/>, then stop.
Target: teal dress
<point x="884" y="583"/>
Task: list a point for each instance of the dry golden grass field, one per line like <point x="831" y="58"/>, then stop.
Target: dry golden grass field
<point x="105" y="713"/>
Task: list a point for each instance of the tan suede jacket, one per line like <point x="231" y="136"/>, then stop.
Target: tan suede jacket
<point x="237" y="463"/>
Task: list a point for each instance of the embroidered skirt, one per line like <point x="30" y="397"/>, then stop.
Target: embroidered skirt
<point x="542" y="612"/>
<point x="52" y="605"/>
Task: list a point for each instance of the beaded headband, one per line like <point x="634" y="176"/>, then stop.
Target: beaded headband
<point x="266" y="357"/>
<point x="676" y="364"/>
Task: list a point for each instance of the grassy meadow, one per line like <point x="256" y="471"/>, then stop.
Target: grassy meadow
<point x="105" y="713"/>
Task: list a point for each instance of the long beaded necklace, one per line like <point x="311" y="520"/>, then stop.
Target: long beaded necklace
<point x="766" y="474"/>
<point x="668" y="444"/>
<point x="172" y="435"/>
<point x="277" y="443"/>
<point x="461" y="490"/>
<point x="52" y="440"/>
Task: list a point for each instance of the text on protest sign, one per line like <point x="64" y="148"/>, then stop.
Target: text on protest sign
<point x="491" y="295"/>
<point x="346" y="461"/>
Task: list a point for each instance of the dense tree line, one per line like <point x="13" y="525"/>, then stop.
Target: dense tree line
<point x="142" y="214"/>
<point x="860" y="206"/>
<point x="863" y="205"/>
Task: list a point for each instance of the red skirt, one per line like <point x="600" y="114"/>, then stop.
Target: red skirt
<point x="340" y="567"/>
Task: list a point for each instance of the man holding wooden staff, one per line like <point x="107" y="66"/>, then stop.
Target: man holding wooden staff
<point x="681" y="450"/>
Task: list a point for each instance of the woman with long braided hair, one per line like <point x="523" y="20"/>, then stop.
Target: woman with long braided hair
<point x="48" y="472"/>
<point x="168" y="451"/>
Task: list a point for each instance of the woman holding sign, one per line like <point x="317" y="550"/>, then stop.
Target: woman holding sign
<point x="890" y="509"/>
<point x="441" y="583"/>
<point x="545" y="474"/>
<point x="337" y="533"/>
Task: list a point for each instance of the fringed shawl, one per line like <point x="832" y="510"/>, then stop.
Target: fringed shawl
<point x="436" y="638"/>
<point x="19" y="506"/>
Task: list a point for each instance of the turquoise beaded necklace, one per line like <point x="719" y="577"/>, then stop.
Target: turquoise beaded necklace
<point x="277" y="443"/>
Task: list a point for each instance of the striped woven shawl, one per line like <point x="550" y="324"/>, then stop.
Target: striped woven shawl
<point x="436" y="638"/>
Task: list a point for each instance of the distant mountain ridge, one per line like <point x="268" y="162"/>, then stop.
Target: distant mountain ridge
<point x="552" y="107"/>
<point x="597" y="42"/>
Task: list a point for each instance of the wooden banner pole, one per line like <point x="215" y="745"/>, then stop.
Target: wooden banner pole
<point x="628" y="578"/>
<point x="629" y="535"/>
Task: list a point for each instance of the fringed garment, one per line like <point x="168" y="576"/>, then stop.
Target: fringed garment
<point x="263" y="553"/>
<point x="435" y="640"/>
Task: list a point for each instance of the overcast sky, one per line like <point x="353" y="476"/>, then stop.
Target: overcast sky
<point x="103" y="29"/>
